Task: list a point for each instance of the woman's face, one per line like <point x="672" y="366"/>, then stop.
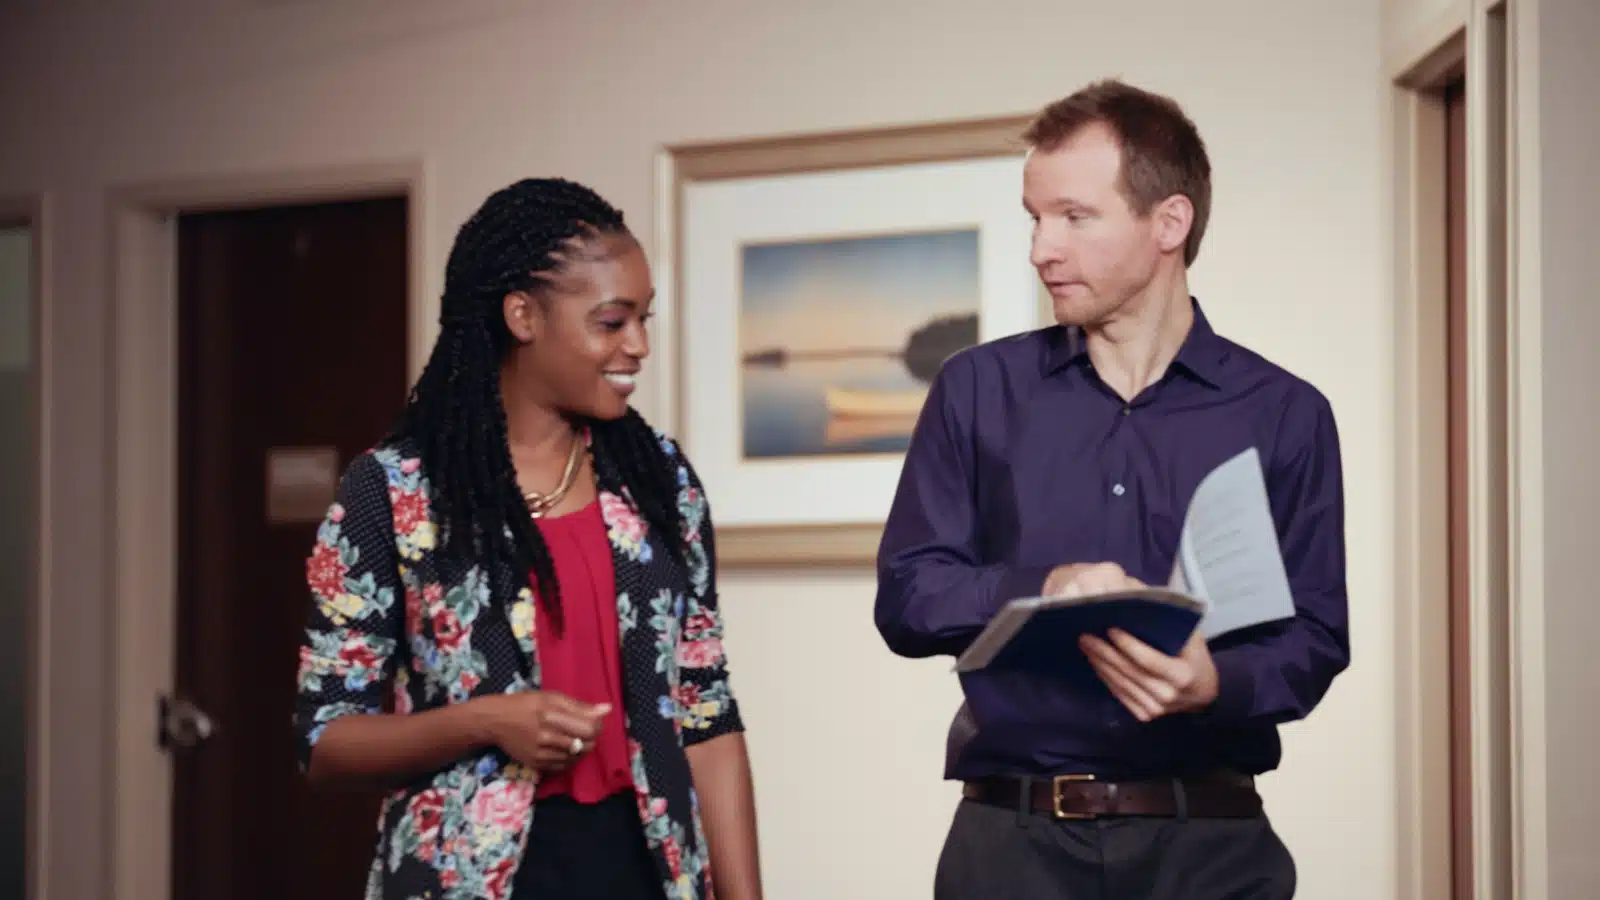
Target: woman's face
<point x="582" y="342"/>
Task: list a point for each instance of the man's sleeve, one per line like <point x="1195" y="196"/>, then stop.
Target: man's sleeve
<point x="1278" y="673"/>
<point x="934" y="593"/>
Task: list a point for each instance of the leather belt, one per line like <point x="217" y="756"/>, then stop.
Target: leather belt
<point x="1223" y="795"/>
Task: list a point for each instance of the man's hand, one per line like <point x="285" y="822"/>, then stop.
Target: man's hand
<point x="1077" y="579"/>
<point x="1148" y="682"/>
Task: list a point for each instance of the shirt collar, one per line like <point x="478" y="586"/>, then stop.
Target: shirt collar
<point x="1201" y="354"/>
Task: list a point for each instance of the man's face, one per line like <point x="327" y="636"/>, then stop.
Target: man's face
<point x="1090" y="250"/>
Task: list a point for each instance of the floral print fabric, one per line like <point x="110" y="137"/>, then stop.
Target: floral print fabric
<point x="389" y="617"/>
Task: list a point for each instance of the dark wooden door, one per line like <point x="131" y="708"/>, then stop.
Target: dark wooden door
<point x="292" y="359"/>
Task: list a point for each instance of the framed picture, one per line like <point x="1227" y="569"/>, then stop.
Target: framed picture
<point x="813" y="286"/>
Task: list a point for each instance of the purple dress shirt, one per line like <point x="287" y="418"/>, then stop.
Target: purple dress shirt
<point x="1023" y="459"/>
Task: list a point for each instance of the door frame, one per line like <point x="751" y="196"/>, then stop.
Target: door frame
<point x="143" y="261"/>
<point x="1492" y="42"/>
<point x="32" y="212"/>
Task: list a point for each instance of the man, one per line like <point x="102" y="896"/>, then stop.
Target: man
<point x="1061" y="462"/>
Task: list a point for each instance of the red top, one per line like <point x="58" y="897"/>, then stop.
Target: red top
<point x="585" y="661"/>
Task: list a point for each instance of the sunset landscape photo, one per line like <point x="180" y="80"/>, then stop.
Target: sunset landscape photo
<point x="840" y="338"/>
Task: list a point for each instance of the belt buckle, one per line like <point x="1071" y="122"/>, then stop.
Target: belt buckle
<point x="1055" y="796"/>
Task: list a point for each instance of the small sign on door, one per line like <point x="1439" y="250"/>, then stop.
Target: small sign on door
<point x="301" y="483"/>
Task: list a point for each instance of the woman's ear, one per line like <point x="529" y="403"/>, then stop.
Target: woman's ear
<point x="524" y="318"/>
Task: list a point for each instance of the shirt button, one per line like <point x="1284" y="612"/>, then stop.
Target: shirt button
<point x="1127" y="410"/>
<point x="1118" y="489"/>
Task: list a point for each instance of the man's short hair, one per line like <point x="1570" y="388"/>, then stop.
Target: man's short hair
<point x="1162" y="153"/>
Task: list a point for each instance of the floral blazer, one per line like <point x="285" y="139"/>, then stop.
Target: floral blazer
<point x="390" y="615"/>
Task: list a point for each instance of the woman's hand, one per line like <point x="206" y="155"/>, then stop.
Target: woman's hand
<point x="540" y="729"/>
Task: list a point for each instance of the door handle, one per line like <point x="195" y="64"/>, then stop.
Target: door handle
<point x="181" y="724"/>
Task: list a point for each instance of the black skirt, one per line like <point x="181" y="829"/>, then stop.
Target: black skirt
<point x="579" y="851"/>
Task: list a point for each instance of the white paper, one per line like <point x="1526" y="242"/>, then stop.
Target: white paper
<point x="1228" y="555"/>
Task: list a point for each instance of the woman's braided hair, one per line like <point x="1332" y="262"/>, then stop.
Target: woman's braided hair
<point x="522" y="235"/>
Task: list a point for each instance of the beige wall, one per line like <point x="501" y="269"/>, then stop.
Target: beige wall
<point x="485" y="91"/>
<point x="1411" y="27"/>
<point x="1569" y="190"/>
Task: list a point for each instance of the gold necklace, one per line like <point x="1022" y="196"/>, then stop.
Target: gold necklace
<point x="540" y="504"/>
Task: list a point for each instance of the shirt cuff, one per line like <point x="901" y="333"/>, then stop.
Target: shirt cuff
<point x="1015" y="582"/>
<point x="727" y="722"/>
<point x="1235" y="689"/>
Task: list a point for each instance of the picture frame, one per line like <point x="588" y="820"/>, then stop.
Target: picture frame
<point x="809" y="286"/>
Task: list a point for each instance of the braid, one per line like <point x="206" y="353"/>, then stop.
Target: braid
<point x="455" y="416"/>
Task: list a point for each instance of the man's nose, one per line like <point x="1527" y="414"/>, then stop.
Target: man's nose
<point x="1045" y="250"/>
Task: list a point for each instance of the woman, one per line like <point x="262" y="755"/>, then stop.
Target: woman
<point x="527" y="568"/>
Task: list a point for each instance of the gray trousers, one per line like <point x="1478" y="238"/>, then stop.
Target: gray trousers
<point x="998" y="854"/>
